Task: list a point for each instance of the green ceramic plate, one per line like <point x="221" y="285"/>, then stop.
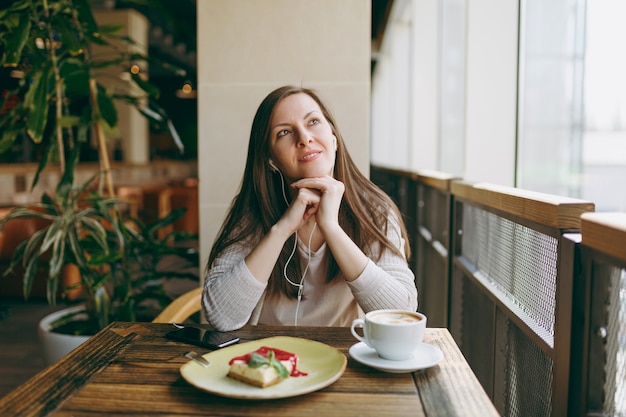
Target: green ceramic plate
<point x="323" y="364"/>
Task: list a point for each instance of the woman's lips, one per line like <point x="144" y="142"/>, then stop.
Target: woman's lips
<point x="310" y="156"/>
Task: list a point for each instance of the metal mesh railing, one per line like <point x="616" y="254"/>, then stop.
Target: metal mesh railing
<point x="615" y="355"/>
<point x="518" y="261"/>
<point x="528" y="375"/>
<point x="500" y="266"/>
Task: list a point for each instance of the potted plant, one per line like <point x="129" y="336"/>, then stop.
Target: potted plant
<point x="61" y="106"/>
<point x="116" y="260"/>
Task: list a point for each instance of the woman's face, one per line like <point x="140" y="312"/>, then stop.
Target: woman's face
<point x="302" y="144"/>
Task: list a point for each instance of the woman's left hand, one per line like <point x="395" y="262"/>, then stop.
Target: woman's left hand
<point x="331" y="192"/>
<point x="350" y="258"/>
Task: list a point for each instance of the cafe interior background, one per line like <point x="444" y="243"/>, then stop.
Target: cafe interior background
<point x="519" y="93"/>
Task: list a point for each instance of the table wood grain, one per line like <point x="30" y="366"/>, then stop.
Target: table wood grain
<point x="132" y="368"/>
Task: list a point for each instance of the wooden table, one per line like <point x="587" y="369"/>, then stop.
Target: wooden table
<point x="132" y="368"/>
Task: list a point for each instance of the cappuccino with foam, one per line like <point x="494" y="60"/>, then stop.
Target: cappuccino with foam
<point x="396" y="317"/>
<point x="393" y="334"/>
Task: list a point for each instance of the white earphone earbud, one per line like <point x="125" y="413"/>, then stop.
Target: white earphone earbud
<point x="272" y="165"/>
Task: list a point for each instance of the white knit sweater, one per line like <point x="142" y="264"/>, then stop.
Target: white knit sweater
<point x="232" y="297"/>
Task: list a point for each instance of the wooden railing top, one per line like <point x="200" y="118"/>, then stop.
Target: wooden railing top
<point x="546" y="209"/>
<point x="605" y="232"/>
<point x="435" y="179"/>
<point x="432" y="178"/>
<point x="395" y="171"/>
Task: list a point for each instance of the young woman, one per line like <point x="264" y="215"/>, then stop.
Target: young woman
<point x="308" y="239"/>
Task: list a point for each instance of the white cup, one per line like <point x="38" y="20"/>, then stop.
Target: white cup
<point x="393" y="334"/>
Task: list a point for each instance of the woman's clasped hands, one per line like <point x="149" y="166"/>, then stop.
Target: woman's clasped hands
<point x="318" y="198"/>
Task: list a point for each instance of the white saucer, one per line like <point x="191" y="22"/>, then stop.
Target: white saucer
<point x="424" y="357"/>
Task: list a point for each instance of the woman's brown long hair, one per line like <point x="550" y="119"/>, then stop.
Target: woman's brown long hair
<point x="363" y="213"/>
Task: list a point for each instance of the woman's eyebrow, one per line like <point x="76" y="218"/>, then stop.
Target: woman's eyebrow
<point x="289" y="124"/>
<point x="310" y="113"/>
<point x="280" y="124"/>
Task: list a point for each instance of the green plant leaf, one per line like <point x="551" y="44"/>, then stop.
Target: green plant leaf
<point x="54" y="232"/>
<point x="169" y="219"/>
<point x="57" y="259"/>
<point x="110" y="29"/>
<point x="14" y="6"/>
<point x="11" y="126"/>
<point x="64" y="187"/>
<point x="69" y="35"/>
<point x="85" y="16"/>
<point x="69" y="121"/>
<point x="36" y="95"/>
<point x="32" y="247"/>
<point x="52" y="288"/>
<point x="26" y="213"/>
<point x="77" y="250"/>
<point x="102" y="306"/>
<point x="48" y="203"/>
<point x="154" y="106"/>
<point x="17" y="40"/>
<point x="43" y="162"/>
<point x="29" y="275"/>
<point x="107" y="107"/>
<point x="8" y="137"/>
<point x="97" y="233"/>
<point x="146" y="86"/>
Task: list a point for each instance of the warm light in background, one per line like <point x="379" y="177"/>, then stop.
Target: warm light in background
<point x="186" y="91"/>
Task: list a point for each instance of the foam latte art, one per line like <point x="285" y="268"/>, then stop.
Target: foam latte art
<point x="395" y="318"/>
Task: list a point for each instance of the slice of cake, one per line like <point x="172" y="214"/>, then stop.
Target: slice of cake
<point x="264" y="367"/>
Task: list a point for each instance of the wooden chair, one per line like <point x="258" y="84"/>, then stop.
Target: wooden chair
<point x="181" y="308"/>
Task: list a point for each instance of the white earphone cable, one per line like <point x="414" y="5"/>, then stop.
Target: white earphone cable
<point x="293" y="251"/>
<point x="301" y="289"/>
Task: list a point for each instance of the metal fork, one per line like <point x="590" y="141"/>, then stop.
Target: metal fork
<point x="198" y="358"/>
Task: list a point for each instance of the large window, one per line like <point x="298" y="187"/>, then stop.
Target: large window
<point x="550" y="99"/>
<point x="452" y="104"/>
<point x="564" y="121"/>
<point x="604" y="97"/>
<point x="572" y="100"/>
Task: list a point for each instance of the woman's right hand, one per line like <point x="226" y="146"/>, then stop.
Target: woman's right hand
<point x="302" y="208"/>
<point x="260" y="261"/>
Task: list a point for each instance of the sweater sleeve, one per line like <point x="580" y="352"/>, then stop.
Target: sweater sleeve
<point x="388" y="283"/>
<point x="230" y="291"/>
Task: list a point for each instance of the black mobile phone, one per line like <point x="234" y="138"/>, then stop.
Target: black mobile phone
<point x="210" y="339"/>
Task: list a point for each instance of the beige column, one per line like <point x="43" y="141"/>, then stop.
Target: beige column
<point x="246" y="48"/>
<point x="132" y="135"/>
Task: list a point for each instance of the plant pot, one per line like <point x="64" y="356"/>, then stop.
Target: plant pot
<point x="57" y="345"/>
